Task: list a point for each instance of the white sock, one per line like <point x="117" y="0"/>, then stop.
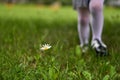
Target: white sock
<point x="83" y="27"/>
<point x="96" y="9"/>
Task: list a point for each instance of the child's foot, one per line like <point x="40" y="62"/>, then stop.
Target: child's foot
<point x="99" y="47"/>
<point x="84" y="48"/>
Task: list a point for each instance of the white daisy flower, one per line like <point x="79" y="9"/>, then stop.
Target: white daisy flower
<point x="45" y="47"/>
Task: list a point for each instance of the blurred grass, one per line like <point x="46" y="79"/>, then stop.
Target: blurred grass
<point x="24" y="28"/>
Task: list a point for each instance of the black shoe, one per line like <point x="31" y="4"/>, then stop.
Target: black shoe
<point x="100" y="48"/>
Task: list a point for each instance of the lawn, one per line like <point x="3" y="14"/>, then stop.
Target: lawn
<point x="24" y="28"/>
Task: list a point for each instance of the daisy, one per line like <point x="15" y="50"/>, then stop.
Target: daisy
<point x="45" y="47"/>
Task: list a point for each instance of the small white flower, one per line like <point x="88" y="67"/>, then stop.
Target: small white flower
<point x="45" y="47"/>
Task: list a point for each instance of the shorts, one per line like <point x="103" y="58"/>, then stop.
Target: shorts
<point x="80" y="3"/>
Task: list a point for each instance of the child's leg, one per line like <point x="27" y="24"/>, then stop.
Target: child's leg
<point x="83" y="25"/>
<point x="96" y="9"/>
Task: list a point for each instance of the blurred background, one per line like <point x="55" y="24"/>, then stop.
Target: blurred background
<point x="48" y="2"/>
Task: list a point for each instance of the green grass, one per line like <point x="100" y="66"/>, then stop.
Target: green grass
<point x="24" y="28"/>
